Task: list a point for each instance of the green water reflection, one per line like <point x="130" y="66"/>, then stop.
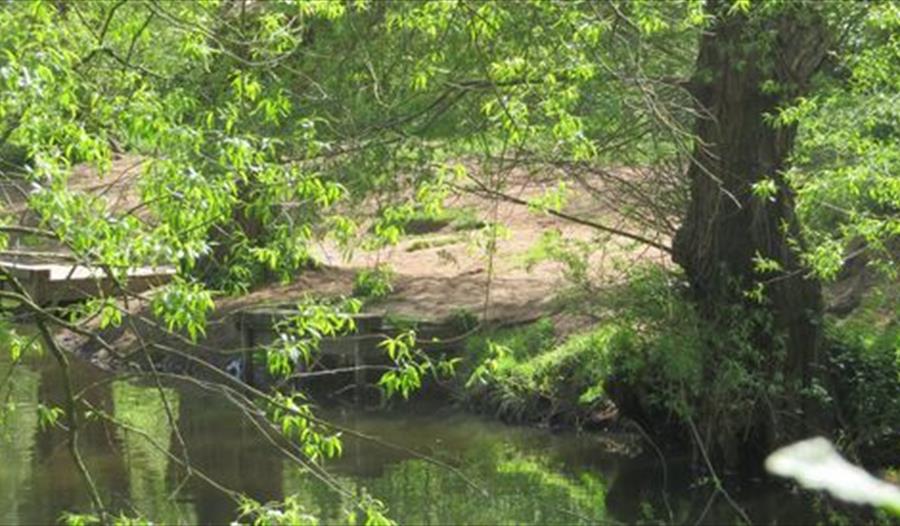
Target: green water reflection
<point x="506" y="475"/>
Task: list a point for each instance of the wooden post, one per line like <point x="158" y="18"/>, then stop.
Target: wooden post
<point x="359" y="375"/>
<point x="248" y="342"/>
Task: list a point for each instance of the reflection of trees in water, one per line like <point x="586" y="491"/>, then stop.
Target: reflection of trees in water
<point x="524" y="489"/>
<point x="56" y="483"/>
<point x="637" y="496"/>
<point x="143" y="408"/>
<point x="529" y="482"/>
<point x="17" y="435"/>
<point x="229" y="450"/>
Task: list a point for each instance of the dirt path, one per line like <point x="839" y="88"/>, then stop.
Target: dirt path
<point x="444" y="272"/>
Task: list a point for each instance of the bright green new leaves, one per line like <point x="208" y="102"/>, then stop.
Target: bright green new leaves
<point x="215" y="195"/>
<point x="294" y="417"/>
<point x="183" y="306"/>
<point x="847" y="159"/>
<point x="408" y="375"/>
<point x="48" y="416"/>
<point x="411" y="365"/>
<point x="291" y="512"/>
<point x="82" y="519"/>
<point x="373" y="283"/>
<point x="19" y="345"/>
<point x="300" y="335"/>
<point x="287" y="513"/>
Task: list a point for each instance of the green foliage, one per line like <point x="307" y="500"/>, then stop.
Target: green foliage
<point x="522" y="342"/>
<point x="287" y="513"/>
<point x="573" y="254"/>
<point x="18" y="345"/>
<point x="265" y="128"/>
<point x="48" y="416"/>
<point x="864" y="370"/>
<point x="294" y="416"/>
<point x="666" y="379"/>
<point x="522" y="374"/>
<point x="374" y="283"/>
<point x="110" y="313"/>
<point x="408" y="375"/>
<point x="291" y="512"/>
<point x="648" y="354"/>
<point x="86" y="519"/>
<point x="669" y="351"/>
<point x="411" y="365"/>
<point x="184" y="306"/>
<point x="299" y="336"/>
<point x="846" y="159"/>
<point x="552" y="200"/>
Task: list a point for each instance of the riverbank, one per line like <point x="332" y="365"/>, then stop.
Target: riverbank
<point x="430" y="464"/>
<point x="558" y="327"/>
<point x="449" y="267"/>
<point x="552" y="325"/>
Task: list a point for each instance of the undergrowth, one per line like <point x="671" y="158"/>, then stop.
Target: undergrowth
<point x="864" y="367"/>
<point x="373" y="283"/>
<point x="650" y="337"/>
<point x="529" y="374"/>
<point x="455" y="219"/>
<point x="694" y="378"/>
<point x="523" y="374"/>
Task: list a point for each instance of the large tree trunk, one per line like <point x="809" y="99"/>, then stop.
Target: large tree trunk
<point x="727" y="226"/>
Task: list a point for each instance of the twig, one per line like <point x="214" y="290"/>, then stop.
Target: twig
<point x="712" y="471"/>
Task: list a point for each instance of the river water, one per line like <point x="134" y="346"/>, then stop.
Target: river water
<point x="502" y="474"/>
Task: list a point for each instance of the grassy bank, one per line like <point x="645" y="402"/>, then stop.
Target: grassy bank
<point x="528" y="374"/>
<point x="533" y="373"/>
<point x="651" y="358"/>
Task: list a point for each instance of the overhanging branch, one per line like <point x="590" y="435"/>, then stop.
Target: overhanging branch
<point x="578" y="220"/>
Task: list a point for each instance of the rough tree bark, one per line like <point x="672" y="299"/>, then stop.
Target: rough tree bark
<point x="735" y="147"/>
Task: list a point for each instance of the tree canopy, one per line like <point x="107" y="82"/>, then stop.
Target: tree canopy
<point x="764" y="135"/>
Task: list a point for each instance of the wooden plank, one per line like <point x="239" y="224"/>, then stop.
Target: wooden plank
<point x="61" y="283"/>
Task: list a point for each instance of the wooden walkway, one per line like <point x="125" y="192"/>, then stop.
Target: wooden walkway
<point x="63" y="283"/>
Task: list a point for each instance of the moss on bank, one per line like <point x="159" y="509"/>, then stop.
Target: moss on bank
<point x="526" y="374"/>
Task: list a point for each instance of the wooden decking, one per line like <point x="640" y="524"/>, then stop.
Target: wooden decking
<point x="48" y="283"/>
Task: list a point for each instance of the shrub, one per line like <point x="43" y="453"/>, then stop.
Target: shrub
<point x="523" y="375"/>
<point x="688" y="374"/>
<point x="373" y="283"/>
<point x="864" y="362"/>
<point x="651" y="354"/>
<point x="670" y="369"/>
<point x="522" y="341"/>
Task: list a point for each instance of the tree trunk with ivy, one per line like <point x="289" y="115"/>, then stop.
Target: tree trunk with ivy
<point x="741" y="215"/>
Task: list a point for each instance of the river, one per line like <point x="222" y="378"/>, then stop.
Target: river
<point x="502" y="474"/>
